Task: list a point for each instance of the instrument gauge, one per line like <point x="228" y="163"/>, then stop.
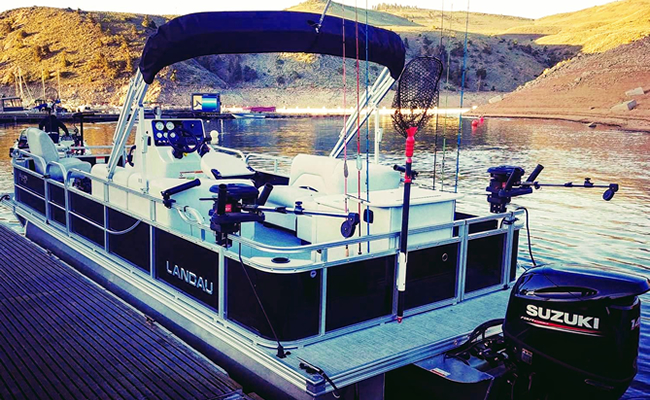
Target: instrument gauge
<point x="160" y="125"/>
<point x="170" y="126"/>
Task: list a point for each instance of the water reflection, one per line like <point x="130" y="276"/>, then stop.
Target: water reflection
<point x="566" y="224"/>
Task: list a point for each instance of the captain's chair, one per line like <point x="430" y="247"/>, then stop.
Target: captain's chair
<point x="43" y="148"/>
<point x="219" y="165"/>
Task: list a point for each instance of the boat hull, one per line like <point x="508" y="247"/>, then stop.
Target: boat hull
<point x="228" y="355"/>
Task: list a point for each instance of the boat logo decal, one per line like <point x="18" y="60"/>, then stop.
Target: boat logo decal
<point x="561" y="320"/>
<point x="190" y="278"/>
<point x="23" y="178"/>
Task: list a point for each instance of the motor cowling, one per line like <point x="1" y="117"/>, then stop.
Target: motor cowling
<point x="574" y="331"/>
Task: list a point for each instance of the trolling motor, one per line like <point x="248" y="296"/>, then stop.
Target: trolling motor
<point x="236" y="203"/>
<point x="506" y="183"/>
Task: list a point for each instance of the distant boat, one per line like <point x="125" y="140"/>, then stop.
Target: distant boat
<point x="248" y="115"/>
<point x="9" y="104"/>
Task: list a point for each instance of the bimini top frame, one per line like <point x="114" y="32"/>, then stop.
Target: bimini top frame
<point x="201" y="34"/>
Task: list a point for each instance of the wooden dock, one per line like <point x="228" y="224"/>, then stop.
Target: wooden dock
<point x="64" y="337"/>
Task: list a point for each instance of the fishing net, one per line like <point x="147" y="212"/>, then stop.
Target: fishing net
<point x="417" y="93"/>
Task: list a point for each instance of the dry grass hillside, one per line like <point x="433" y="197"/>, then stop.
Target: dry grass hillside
<point x="594" y="29"/>
<point x="480" y="23"/>
<point x="376" y="18"/>
<point x="90" y="56"/>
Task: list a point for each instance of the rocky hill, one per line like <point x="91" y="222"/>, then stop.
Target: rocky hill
<point x="90" y="57"/>
<point x="588" y="88"/>
<point x="607" y="82"/>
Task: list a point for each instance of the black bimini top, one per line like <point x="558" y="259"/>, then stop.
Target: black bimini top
<point x="208" y="33"/>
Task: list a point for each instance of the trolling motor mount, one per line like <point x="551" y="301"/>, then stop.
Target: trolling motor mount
<point x="506" y="182"/>
<point x="229" y="211"/>
<point x="236" y="203"/>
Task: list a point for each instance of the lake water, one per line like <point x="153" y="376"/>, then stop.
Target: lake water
<point x="573" y="225"/>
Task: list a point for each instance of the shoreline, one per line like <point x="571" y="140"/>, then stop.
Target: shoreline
<point x="629" y="124"/>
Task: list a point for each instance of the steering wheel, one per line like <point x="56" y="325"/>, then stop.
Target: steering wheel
<point x="184" y="141"/>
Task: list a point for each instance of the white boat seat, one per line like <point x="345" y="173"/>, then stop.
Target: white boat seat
<point x="315" y="176"/>
<point x="219" y="165"/>
<point x="41" y="145"/>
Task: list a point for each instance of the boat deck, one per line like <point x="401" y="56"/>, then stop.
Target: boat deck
<point x="418" y="334"/>
<point x="383" y="347"/>
<point x="62" y="336"/>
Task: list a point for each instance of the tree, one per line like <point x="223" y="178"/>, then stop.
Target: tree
<point x="63" y="60"/>
<point x="147" y="22"/>
<point x="481" y="74"/>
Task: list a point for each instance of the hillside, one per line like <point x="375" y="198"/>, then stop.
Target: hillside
<point x="375" y="18"/>
<point x="480" y="23"/>
<point x="594" y="29"/>
<point x="586" y="88"/>
<point x="90" y="57"/>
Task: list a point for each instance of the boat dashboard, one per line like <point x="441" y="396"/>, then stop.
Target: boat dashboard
<point x="169" y="132"/>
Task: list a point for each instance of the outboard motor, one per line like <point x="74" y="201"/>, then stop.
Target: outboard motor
<point x="573" y="332"/>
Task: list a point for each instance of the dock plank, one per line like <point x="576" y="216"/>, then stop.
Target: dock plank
<point x="62" y="336"/>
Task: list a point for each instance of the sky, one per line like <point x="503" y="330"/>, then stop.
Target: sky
<point x="520" y="8"/>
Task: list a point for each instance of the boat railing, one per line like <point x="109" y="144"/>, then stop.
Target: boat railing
<point x="198" y="221"/>
<point x="65" y="207"/>
<point x="316" y="252"/>
<point x="269" y="163"/>
<point x="229" y="150"/>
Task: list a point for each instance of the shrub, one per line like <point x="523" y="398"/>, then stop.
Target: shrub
<point x="37" y="53"/>
<point x="147" y="22"/>
<point x="5" y="28"/>
<point x="63" y="60"/>
<point x="280" y="80"/>
<point x="250" y="74"/>
<point x="235" y="70"/>
<point x="458" y="50"/>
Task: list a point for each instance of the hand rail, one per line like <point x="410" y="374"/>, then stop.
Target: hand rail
<point x="198" y="218"/>
<point x="276" y="160"/>
<point x="229" y="150"/>
<point x="64" y="170"/>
